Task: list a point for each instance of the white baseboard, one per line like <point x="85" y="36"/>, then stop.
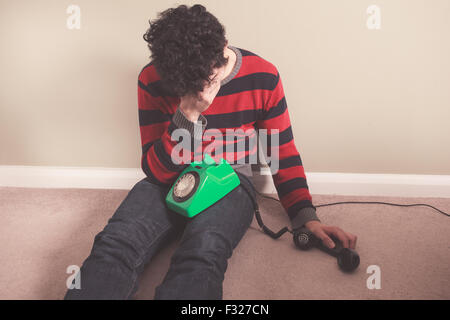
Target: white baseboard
<point x="403" y="185"/>
<point x="395" y="185"/>
<point x="69" y="177"/>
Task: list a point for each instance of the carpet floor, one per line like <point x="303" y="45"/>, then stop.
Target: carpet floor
<point x="43" y="231"/>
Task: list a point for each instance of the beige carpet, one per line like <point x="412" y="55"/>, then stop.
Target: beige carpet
<point x="43" y="231"/>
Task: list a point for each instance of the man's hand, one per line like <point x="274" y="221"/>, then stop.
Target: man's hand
<point x="323" y="232"/>
<point x="193" y="105"/>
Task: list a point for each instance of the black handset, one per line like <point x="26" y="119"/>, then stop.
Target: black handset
<point x="304" y="239"/>
<point x="347" y="259"/>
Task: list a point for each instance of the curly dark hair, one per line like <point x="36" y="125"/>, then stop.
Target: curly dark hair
<point x="186" y="43"/>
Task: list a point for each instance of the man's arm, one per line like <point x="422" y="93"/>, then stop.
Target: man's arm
<point x="156" y="128"/>
<point x="290" y="179"/>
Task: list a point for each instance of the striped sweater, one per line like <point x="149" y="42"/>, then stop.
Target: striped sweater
<point x="251" y="97"/>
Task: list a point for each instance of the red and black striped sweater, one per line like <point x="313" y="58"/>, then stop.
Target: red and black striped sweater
<point x="251" y="97"/>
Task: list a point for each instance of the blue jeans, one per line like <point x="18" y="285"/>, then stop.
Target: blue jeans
<point x="141" y="226"/>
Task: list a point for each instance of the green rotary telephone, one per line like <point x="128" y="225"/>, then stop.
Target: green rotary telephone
<point x="200" y="185"/>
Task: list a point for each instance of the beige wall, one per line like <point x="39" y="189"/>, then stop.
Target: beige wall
<point x="360" y="100"/>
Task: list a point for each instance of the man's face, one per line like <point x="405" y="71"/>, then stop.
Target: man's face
<point x="218" y="73"/>
<point x="216" y="77"/>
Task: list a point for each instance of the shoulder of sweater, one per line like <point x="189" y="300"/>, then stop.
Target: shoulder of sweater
<point x="258" y="62"/>
<point x="148" y="74"/>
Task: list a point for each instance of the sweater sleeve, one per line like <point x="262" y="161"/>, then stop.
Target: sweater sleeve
<point x="289" y="179"/>
<point x="163" y="158"/>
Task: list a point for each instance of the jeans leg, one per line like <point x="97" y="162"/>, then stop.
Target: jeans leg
<point x="139" y="227"/>
<point x="198" y="266"/>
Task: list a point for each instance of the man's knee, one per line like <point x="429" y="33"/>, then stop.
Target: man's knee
<point x="227" y="220"/>
<point x="144" y="201"/>
<point x="140" y="222"/>
<point x="125" y="243"/>
<point x="237" y="211"/>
